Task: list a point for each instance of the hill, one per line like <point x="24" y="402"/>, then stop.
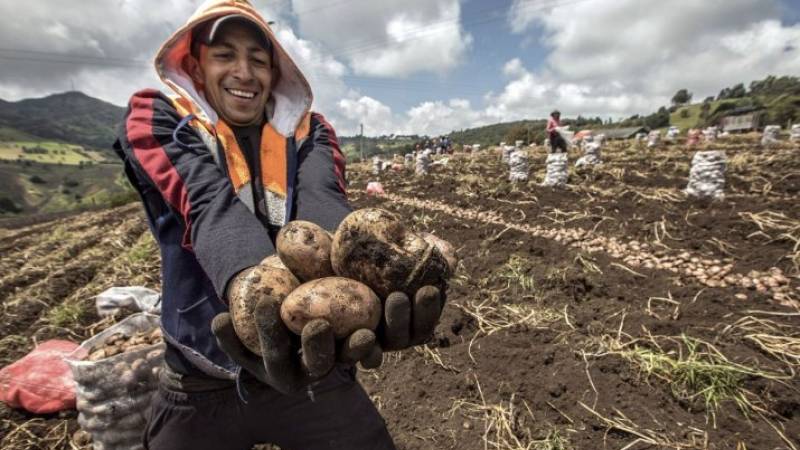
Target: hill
<point x="71" y="117"/>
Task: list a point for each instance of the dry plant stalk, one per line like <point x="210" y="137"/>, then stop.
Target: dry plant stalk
<point x="698" y="438"/>
<point x="492" y="317"/>
<point x="782" y="341"/>
<point x="432" y="355"/>
<point x="506" y="425"/>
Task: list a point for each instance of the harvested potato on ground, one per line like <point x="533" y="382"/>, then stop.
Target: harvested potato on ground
<point x="374" y="247"/>
<point x="245" y="292"/>
<point x="305" y="248"/>
<point x="346" y="304"/>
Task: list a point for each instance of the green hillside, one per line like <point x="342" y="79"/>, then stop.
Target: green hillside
<point x="71" y="117"/>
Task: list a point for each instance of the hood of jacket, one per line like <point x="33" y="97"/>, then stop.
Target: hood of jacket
<point x="291" y="97"/>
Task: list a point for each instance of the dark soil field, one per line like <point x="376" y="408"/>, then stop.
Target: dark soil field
<point x="615" y="313"/>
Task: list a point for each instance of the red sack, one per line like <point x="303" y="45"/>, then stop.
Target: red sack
<point x="41" y="382"/>
<point x="374" y="188"/>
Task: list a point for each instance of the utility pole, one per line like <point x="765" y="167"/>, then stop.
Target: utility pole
<point x="361" y="142"/>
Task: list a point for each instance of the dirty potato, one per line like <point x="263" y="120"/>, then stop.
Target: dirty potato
<point x="445" y="248"/>
<point x="305" y="248"/>
<point x="346" y="304"/>
<point x="259" y="282"/>
<point x="374" y="247"/>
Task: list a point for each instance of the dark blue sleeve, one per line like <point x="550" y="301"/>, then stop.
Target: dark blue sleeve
<point x="320" y="186"/>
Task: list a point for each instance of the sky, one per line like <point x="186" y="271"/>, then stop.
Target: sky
<point x="428" y="66"/>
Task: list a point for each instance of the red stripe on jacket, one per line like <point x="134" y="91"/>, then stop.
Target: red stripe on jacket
<point x="338" y="158"/>
<point x="154" y="160"/>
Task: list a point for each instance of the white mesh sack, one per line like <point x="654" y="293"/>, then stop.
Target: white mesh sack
<point x="672" y="134"/>
<point x="114" y="392"/>
<point x="506" y="152"/>
<point x="771" y="135"/>
<point x="557" y="171"/>
<point x="423" y="164"/>
<point x="591" y="155"/>
<point x="518" y="165"/>
<point x="795" y="136"/>
<point x="710" y="134"/>
<point x="653" y="139"/>
<point x="707" y="175"/>
<point x="409" y="159"/>
<point x="377" y="165"/>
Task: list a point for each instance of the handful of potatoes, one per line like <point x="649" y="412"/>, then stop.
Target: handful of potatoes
<point x="341" y="277"/>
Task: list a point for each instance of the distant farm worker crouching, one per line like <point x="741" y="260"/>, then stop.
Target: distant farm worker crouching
<point x="557" y="143"/>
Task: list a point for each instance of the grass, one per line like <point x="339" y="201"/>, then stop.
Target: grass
<point x="695" y="371"/>
<point x="516" y="274"/>
<point x="66" y="315"/>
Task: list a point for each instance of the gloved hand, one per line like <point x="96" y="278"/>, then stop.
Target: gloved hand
<point x="290" y="362"/>
<point x="406" y="323"/>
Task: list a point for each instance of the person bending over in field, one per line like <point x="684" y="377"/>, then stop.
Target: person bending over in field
<point x="221" y="165"/>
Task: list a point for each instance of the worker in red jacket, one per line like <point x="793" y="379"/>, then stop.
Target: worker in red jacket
<point x="221" y="165"/>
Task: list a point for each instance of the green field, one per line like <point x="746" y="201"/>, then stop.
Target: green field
<point x="47" y="152"/>
<point x="37" y="188"/>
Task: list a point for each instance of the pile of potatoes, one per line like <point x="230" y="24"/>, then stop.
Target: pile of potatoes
<point x="340" y="277"/>
<point x="119" y="343"/>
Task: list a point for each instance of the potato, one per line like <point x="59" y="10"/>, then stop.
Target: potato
<point x="346" y="304"/>
<point x="374" y="247"/>
<point x="305" y="248"/>
<point x="445" y="248"/>
<point x="244" y="294"/>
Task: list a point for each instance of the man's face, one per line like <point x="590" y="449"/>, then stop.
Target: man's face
<point x="235" y="73"/>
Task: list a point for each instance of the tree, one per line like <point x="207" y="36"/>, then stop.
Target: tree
<point x="738" y="91"/>
<point x="682" y="97"/>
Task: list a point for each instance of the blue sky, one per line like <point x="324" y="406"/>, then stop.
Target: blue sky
<point x="429" y="66"/>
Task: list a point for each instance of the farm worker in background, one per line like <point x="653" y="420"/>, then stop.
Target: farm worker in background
<point x="557" y="143"/>
<point x="221" y="166"/>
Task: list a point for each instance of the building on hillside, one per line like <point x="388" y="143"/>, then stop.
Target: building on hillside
<point x="742" y="119"/>
<point x="621" y="133"/>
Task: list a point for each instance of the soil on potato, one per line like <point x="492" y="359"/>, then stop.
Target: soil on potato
<point x="537" y="344"/>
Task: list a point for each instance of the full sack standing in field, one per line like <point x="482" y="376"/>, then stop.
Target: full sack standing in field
<point x="707" y="175"/>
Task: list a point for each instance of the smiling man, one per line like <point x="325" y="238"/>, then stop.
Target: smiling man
<point x="221" y="166"/>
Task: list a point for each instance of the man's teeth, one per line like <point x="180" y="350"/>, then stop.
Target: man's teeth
<point x="243" y="94"/>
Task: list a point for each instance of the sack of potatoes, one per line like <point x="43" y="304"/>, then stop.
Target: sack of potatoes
<point x="340" y="277"/>
<point x="116" y="373"/>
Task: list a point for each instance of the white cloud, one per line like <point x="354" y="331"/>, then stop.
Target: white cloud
<point x="623" y="57"/>
<point x="388" y="38"/>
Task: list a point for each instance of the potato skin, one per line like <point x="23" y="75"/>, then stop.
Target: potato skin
<point x="305" y="248"/>
<point x="248" y="288"/>
<point x="346" y="304"/>
<point x="374" y="247"/>
<point x="445" y="248"/>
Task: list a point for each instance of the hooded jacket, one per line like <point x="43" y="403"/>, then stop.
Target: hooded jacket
<point x="196" y="186"/>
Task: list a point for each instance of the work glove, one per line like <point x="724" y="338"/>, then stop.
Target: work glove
<point x="289" y="362"/>
<point x="406" y="323"/>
